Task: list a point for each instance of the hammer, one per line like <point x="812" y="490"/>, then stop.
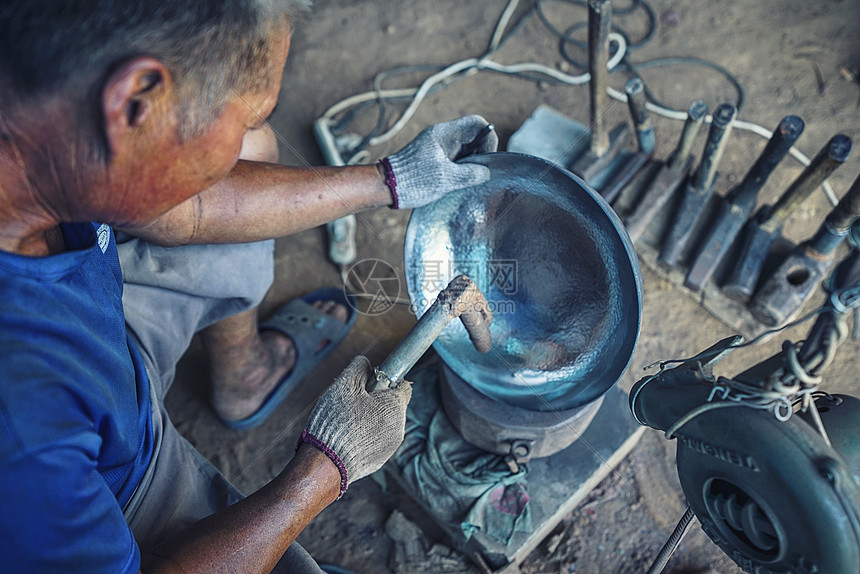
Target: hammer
<point x="603" y="147"/>
<point x="785" y="292"/>
<point x="461" y="298"/>
<point x="700" y="188"/>
<point x="670" y="176"/>
<point x="645" y="140"/>
<point x="739" y="203"/>
<point x="765" y="226"/>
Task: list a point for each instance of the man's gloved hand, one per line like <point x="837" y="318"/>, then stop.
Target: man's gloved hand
<point x="358" y="430"/>
<point x="424" y="170"/>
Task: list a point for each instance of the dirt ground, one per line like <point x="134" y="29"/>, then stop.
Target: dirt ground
<point x="790" y="56"/>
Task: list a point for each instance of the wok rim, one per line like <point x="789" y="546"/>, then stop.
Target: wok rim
<point x="625" y="260"/>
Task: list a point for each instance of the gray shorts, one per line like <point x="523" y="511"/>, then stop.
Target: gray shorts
<point x="169" y="295"/>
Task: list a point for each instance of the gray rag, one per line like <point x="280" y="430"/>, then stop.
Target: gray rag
<point x="459" y="484"/>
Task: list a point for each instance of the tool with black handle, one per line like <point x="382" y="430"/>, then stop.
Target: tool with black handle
<point x="766" y="225"/>
<point x="670" y="176"/>
<point x="785" y="292"/>
<point x="739" y="204"/>
<point x="636" y="102"/>
<point x="645" y="141"/>
<point x="473" y="146"/>
<point x="699" y="189"/>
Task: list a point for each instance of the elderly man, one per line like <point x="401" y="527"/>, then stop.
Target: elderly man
<point x="130" y="115"/>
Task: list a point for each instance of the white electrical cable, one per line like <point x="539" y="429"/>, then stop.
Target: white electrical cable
<point x="502" y="25"/>
<point x="618" y="39"/>
<point x="470" y="64"/>
<point x="352" y="101"/>
<point x="420" y="94"/>
<point x="473" y="65"/>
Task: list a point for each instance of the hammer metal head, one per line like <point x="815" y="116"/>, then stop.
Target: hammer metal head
<point x="654" y="200"/>
<point x="730" y="220"/>
<point x="463" y="299"/>
<point x="756" y="245"/>
<point x="783" y="294"/>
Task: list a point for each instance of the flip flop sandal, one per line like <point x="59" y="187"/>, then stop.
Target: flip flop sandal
<point x="307" y="327"/>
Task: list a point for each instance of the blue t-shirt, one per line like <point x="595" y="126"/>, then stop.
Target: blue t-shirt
<point x="75" y="410"/>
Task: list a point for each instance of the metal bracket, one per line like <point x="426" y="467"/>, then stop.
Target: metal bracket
<point x="520" y="453"/>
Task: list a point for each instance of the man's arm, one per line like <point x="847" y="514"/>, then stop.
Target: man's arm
<point x="259" y="200"/>
<point x="262" y="200"/>
<point x="350" y="434"/>
<point x="253" y="533"/>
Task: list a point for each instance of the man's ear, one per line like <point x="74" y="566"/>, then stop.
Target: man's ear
<point x="133" y="94"/>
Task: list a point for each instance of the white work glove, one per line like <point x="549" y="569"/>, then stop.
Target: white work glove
<point x="425" y="171"/>
<point x="356" y="429"/>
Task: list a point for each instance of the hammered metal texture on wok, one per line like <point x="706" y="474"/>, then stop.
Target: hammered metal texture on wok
<point x="558" y="270"/>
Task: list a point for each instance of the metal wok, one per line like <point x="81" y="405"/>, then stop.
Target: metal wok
<point x="558" y="270"/>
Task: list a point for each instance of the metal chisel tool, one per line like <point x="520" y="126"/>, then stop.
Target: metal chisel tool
<point x="645" y="140"/>
<point x="635" y="90"/>
<point x="670" y="176"/>
<point x="739" y="203"/>
<point x="765" y="226"/>
<point x="699" y="189"/>
<point x="785" y="292"/>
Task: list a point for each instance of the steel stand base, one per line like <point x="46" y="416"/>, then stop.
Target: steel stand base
<point x="556" y="484"/>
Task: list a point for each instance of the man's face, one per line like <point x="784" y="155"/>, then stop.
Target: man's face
<point x="170" y="170"/>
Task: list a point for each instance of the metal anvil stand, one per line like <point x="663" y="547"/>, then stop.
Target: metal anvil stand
<point x="556" y="483"/>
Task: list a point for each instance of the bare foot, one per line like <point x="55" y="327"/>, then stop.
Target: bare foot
<point x="244" y="375"/>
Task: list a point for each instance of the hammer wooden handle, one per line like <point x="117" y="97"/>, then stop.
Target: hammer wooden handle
<point x="461" y="298"/>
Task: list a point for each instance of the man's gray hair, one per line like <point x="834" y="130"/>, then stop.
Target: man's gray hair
<point x="70" y="47"/>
